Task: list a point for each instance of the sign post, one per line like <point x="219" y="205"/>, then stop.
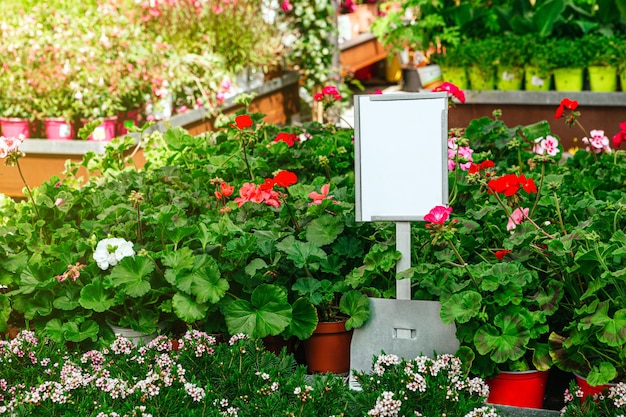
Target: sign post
<point x="401" y="143"/>
<point x="401" y="171"/>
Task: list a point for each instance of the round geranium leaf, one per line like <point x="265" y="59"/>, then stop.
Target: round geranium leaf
<point x="94" y="297"/>
<point x="131" y="274"/>
<point x="267" y="312"/>
<point x="304" y="320"/>
<point x="461" y="307"/>
<point x="77" y="332"/>
<point x="504" y="341"/>
<point x="188" y="309"/>
<point x="355" y="304"/>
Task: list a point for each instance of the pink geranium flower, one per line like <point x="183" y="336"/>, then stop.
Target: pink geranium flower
<point x="438" y="215"/>
<point x="516" y="218"/>
<point x="597" y="142"/>
<point x="548" y="145"/>
<point x="317" y="197"/>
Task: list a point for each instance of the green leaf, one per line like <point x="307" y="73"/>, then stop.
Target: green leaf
<point x="503" y="341"/>
<point x="130" y="274"/>
<point x="187" y="309"/>
<point x="268" y="312"/>
<point x="182" y="258"/>
<point x="310" y="288"/>
<point x="255" y="265"/>
<point x="613" y="331"/>
<point x="39" y="304"/>
<point x="204" y="282"/>
<point x="77" y="332"/>
<point x="54" y="330"/>
<point x="324" y="230"/>
<point x="93" y="296"/>
<point x="15" y="262"/>
<point x="601" y="374"/>
<point x="546" y="15"/>
<point x="356" y="305"/>
<point x="68" y="299"/>
<point x="5" y="312"/>
<point x="301" y="253"/>
<point x="461" y="307"/>
<point x="304" y="320"/>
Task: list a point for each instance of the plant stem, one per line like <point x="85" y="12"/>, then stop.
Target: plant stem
<point x="558" y="213"/>
<point x="30" y="193"/>
<point x="245" y="157"/>
<point x="543" y="172"/>
<point x="463" y="263"/>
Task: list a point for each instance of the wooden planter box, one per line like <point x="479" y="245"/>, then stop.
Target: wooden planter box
<point x="602" y="111"/>
<point x="278" y="99"/>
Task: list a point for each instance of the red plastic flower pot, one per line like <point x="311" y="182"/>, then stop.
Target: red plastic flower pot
<point x="518" y="389"/>
<point x="590" y="389"/>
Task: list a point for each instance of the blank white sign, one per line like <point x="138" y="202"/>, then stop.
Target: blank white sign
<point x="401" y="155"/>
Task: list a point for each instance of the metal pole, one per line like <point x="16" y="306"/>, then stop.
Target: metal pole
<point x="403" y="245"/>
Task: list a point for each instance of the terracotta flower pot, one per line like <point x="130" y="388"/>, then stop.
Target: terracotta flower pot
<point x="328" y="349"/>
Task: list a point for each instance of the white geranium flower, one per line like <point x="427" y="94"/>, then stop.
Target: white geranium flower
<point x="110" y="251"/>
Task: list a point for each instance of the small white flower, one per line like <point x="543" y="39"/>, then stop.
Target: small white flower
<point x="110" y="251"/>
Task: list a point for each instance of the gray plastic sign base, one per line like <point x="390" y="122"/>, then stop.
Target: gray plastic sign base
<point x="406" y="328"/>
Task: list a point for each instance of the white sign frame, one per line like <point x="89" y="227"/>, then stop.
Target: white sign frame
<point x="401" y="155"/>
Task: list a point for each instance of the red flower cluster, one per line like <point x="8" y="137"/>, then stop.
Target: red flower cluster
<point x="483" y="166"/>
<point x="510" y="184"/>
<point x="452" y="90"/>
<point x="570" y="105"/>
<point x="502" y="253"/>
<point x="566" y="103"/>
<point x="288" y="138"/>
<point x="226" y="190"/>
<point x="620" y="136"/>
<point x="284" y="179"/>
<point x="329" y="92"/>
<point x="265" y="193"/>
<point x="243" y="121"/>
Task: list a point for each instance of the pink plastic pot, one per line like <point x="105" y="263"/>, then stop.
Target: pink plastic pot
<point x="106" y="131"/>
<point x="15" y="126"/>
<point x="57" y="128"/>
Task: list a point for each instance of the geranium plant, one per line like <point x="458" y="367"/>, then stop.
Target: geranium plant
<point x="214" y="231"/>
<point x="515" y="258"/>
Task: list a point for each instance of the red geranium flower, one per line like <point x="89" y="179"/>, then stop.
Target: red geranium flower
<point x="285" y="179"/>
<point x="527" y="184"/>
<point x="475" y="168"/>
<point x="510" y="184"/>
<point x="502" y="253"/>
<point x="506" y="184"/>
<point x="226" y="190"/>
<point x="566" y="103"/>
<point x="620" y="136"/>
<point x="288" y="138"/>
<point x="243" y="121"/>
